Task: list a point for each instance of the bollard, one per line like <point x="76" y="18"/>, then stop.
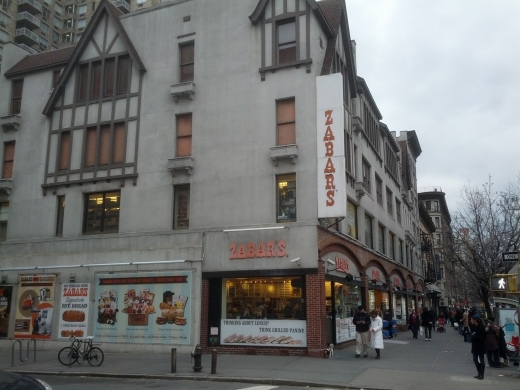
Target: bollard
<point x="214" y="361"/>
<point x="174" y="360"/>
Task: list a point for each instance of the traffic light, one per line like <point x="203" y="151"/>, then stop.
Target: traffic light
<point x="504" y="283"/>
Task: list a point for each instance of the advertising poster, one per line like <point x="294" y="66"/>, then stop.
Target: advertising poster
<point x="74" y="309"/>
<point x="509" y="323"/>
<point x="6" y="294"/>
<point x="34" y="307"/>
<point x="281" y="333"/>
<point x="345" y="330"/>
<point x="152" y="307"/>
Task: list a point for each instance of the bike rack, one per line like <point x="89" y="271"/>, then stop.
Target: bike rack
<point x="22" y="359"/>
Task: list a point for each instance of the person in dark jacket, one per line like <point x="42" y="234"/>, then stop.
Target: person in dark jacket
<point x="478" y="345"/>
<point x="362" y="322"/>
<point x="427" y="323"/>
<point x="492" y="344"/>
<point x="414" y="323"/>
<point x="387" y="316"/>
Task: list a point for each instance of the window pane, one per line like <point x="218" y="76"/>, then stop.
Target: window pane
<point x="286" y="33"/>
<point x="287" y="53"/>
<point x="111" y="223"/>
<point x="104" y="145"/>
<point x="187" y="54"/>
<point x="109" y="76"/>
<point x="123" y="74"/>
<point x="351" y="219"/>
<point x="286" y="198"/>
<point x="186" y="73"/>
<point x="4" y="216"/>
<point x="119" y="143"/>
<point x="285" y="111"/>
<point x="181" y="219"/>
<point x="102" y="212"/>
<point x="96" y="80"/>
<point x="60" y="214"/>
<point x="287" y="134"/>
<point x="64" y="151"/>
<point x="7" y="171"/>
<point x="82" y="82"/>
<point x="184" y="130"/>
<point x="90" y="158"/>
<point x="183" y="146"/>
<point x="94" y="215"/>
<point x="16" y="103"/>
<point x="184" y="125"/>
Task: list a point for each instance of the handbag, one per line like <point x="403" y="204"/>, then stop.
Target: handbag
<point x="421" y="331"/>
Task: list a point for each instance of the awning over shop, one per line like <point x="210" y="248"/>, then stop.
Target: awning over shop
<point x="433" y="291"/>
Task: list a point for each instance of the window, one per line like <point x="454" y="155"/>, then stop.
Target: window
<point x="16" y="101"/>
<point x="81" y="23"/>
<point x="181" y="207"/>
<point x="67" y="37"/>
<point x="379" y="190"/>
<point x="435" y="205"/>
<point x="5" y="4"/>
<point x="46" y="13"/>
<point x="58" y="8"/>
<point x="108" y="81"/>
<point x="5" y="20"/>
<point x="437" y="239"/>
<point x="184" y="131"/>
<point x="55" y="37"/>
<point x="7" y="170"/>
<point x="55" y="77"/>
<point x="4" y="37"/>
<point x="187" y="62"/>
<point x="366" y="176"/>
<point x="389" y="202"/>
<point x="286" y="198"/>
<point x="102" y="212"/>
<point x="82" y="82"/>
<point x="400" y="251"/>
<point x="57" y="23"/>
<point x="4" y="216"/>
<point x="381" y="232"/>
<point x="65" y="145"/>
<point x="44" y="28"/>
<point x="140" y="2"/>
<point x="398" y="210"/>
<point x="43" y="43"/>
<point x="285" y="122"/>
<point x="110" y="147"/>
<point x="391" y="239"/>
<point x="78" y="37"/>
<point x="351" y="219"/>
<point x="69" y="23"/>
<point x="286" y="35"/>
<point x="95" y="85"/>
<point x="70" y="9"/>
<point x="368" y="231"/>
<point x="111" y="82"/>
<point x="59" y="215"/>
<point x="82" y="9"/>
<point x="123" y="74"/>
<point x="437" y="222"/>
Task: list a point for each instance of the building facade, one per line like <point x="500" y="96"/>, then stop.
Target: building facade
<point x="162" y="186"/>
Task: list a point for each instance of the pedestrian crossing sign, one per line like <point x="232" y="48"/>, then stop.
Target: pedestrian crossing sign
<point x="504" y="283"/>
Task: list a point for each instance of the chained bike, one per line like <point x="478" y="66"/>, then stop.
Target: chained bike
<point x="81" y="350"/>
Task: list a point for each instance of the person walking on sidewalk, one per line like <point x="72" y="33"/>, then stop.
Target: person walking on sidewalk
<point x="427" y="323"/>
<point x="376" y="333"/>
<point x="492" y="344"/>
<point x="414" y="323"/>
<point x="362" y="322"/>
<point x="465" y="323"/>
<point x="387" y="316"/>
<point x="478" y="346"/>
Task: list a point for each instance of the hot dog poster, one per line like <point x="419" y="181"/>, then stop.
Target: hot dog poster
<point x="74" y="308"/>
<point x="34" y="307"/>
<point x="148" y="307"/>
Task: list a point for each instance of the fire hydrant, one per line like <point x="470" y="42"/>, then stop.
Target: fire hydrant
<point x="197" y="355"/>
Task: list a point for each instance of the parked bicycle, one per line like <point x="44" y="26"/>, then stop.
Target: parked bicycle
<point x="81" y="350"/>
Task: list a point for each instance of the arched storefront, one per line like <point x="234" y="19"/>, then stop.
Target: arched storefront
<point x="378" y="297"/>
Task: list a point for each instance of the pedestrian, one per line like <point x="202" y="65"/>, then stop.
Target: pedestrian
<point x="465" y="323"/>
<point x="502" y="346"/>
<point x="478" y="346"/>
<point x="387" y="316"/>
<point x="376" y="333"/>
<point x="414" y="323"/>
<point x="492" y="344"/>
<point x="362" y="322"/>
<point x="427" y="323"/>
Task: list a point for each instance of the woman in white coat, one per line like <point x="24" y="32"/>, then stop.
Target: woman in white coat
<point x="376" y="333"/>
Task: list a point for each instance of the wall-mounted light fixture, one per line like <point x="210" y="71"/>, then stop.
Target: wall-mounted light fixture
<point x="4" y="279"/>
<point x="72" y="278"/>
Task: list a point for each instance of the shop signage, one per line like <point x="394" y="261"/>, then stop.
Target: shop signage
<point x="35" y="307"/>
<point x="342" y="263"/>
<point x="74" y="309"/>
<point x="148" y="307"/>
<point x="409" y="285"/>
<point x="6" y="294"/>
<point x="330" y="147"/>
<point x="252" y="250"/>
<point x="375" y="274"/>
<point x="345" y="330"/>
<point x="264" y="333"/>
<point x="396" y="280"/>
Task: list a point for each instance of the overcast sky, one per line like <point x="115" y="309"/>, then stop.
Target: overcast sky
<point x="450" y="70"/>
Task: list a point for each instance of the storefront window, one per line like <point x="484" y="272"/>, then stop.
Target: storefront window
<point x="264" y="298"/>
<point x="346" y="299"/>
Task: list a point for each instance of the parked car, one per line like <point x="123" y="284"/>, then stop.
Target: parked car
<point x="13" y="381"/>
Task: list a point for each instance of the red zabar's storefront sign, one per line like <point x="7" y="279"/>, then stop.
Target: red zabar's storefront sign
<point x="253" y="250"/>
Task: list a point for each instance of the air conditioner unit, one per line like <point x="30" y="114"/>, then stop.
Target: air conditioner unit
<point x="360" y="188"/>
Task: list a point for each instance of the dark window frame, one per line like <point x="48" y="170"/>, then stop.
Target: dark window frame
<point x="104" y="217"/>
<point x="291" y="44"/>
<point x="185" y="63"/>
<point x="16" y="96"/>
<point x="60" y="213"/>
<point x="281" y="124"/>
<point x="286" y="208"/>
<point x="181" y="206"/>
<point x="8" y="160"/>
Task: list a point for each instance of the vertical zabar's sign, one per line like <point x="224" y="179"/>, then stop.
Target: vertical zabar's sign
<point x="330" y="125"/>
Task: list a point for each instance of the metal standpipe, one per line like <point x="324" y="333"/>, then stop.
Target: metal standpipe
<point x="197" y="357"/>
<point x="22" y="359"/>
<point x="214" y="361"/>
<point x="174" y="361"/>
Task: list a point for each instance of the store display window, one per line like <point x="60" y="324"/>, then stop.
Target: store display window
<point x="342" y="299"/>
<point x="264" y="298"/>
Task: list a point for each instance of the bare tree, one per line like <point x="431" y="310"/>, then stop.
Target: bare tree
<point x="486" y="224"/>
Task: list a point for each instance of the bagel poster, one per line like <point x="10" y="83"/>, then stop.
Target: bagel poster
<point x="148" y="307"/>
<point x="34" y="307"/>
<point x="74" y="308"/>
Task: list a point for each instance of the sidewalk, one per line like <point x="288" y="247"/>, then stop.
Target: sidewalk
<point x="405" y="364"/>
